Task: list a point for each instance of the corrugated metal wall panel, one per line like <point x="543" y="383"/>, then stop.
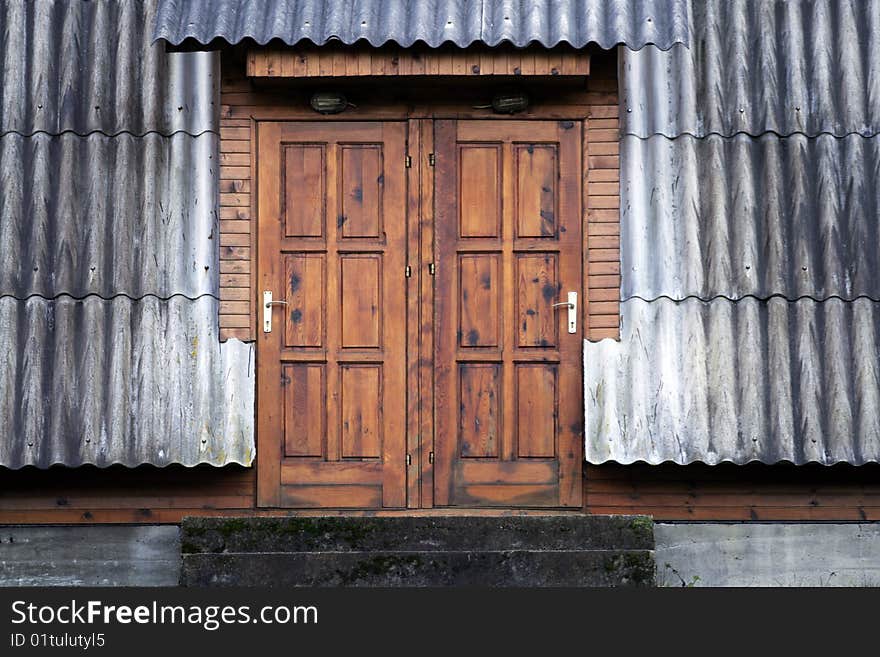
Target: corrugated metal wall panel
<point x="737" y="381"/>
<point x="108" y="193"/>
<point x="122" y="381"/>
<point x="461" y="22"/>
<point x="70" y="65"/>
<point x="793" y="216"/>
<point x="750" y="269"/>
<point x="785" y="66"/>
<point x="108" y="215"/>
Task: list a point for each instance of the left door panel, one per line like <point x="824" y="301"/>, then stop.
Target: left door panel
<point x="331" y="374"/>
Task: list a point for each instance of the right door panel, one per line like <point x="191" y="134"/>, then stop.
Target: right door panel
<point x="508" y="373"/>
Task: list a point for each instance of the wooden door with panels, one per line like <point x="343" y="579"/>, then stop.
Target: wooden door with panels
<point x="508" y="356"/>
<point x="331" y="372"/>
<point x="474" y="360"/>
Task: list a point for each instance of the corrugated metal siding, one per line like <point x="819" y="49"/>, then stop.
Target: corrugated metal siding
<point x="750" y="224"/>
<point x="786" y="66"/>
<point x="740" y="381"/>
<point x="461" y="22"/>
<point x="109" y="268"/>
<point x="70" y="65"/>
<point x="795" y="217"/>
<point x="108" y="215"/>
<point x="122" y="381"/>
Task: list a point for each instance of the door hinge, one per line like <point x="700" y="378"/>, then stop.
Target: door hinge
<point x="431" y="160"/>
<point x="407" y="271"/>
<point x="408" y="161"/>
<point x="432" y="269"/>
<point x="409" y="459"/>
<point x="430" y="457"/>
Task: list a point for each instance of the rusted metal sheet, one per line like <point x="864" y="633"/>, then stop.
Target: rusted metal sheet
<point x="405" y="22"/>
<point x="122" y="381"/>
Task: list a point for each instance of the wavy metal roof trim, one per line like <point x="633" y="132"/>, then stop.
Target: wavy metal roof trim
<point x="737" y="381"/>
<point x="405" y="22"/>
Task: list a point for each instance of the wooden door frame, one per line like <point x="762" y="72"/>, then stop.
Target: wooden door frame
<point x="421" y="246"/>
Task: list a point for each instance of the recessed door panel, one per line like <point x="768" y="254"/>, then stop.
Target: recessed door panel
<point x="331" y="393"/>
<point x="508" y="380"/>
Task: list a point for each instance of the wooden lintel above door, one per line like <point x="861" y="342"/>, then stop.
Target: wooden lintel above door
<point x="312" y="61"/>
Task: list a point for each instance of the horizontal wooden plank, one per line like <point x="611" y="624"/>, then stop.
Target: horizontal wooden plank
<point x="598" y="202"/>
<point x="608" y="242"/>
<point x="235" y="280"/>
<point x="235" y="239"/>
<point x="236" y="123"/>
<point x="235" y="134"/>
<point x="235" y="266"/>
<point x="235" y="200"/>
<point x="604" y="321"/>
<point x="235" y="173"/>
<point x="235" y="146"/>
<point x="236" y="159"/>
<point x="595" y="188"/>
<point x="603" y="175"/>
<point x="604" y="148"/>
<point x="596" y="334"/>
<point x="235" y="186"/>
<point x="227" y="333"/>
<point x="605" y="111"/>
<point x="235" y="321"/>
<point x="604" y="268"/>
<point x="603" y="124"/>
<point x="235" y="226"/>
<point x="603" y="294"/>
<point x="600" y="136"/>
<point x="597" y="229"/>
<point x="307" y="472"/>
<point x="235" y="294"/>
<point x="233" y="213"/>
<point x="345" y="496"/>
<point x="596" y="161"/>
<point x="600" y="215"/>
<point x="604" y="307"/>
<point x="526" y="472"/>
<point x="228" y="252"/>
<point x="602" y="255"/>
<point x="235" y="308"/>
<point x="594" y="281"/>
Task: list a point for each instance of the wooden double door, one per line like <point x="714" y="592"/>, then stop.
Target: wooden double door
<point x="420" y="351"/>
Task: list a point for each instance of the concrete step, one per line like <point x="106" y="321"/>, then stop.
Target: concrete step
<point x="569" y="568"/>
<point x="417" y="533"/>
<point x="552" y="550"/>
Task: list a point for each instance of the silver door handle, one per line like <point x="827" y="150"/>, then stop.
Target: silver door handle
<point x="572" y="310"/>
<point x="267" y="310"/>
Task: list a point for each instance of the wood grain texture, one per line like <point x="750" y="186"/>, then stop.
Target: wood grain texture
<point x="357" y="61"/>
<point x="499" y="343"/>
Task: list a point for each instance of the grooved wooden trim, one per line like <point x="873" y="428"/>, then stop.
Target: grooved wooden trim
<point x="340" y="61"/>
<point x="237" y="318"/>
<point x="602" y="207"/>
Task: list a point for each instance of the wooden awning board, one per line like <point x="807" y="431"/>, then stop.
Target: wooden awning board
<point x="320" y="62"/>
